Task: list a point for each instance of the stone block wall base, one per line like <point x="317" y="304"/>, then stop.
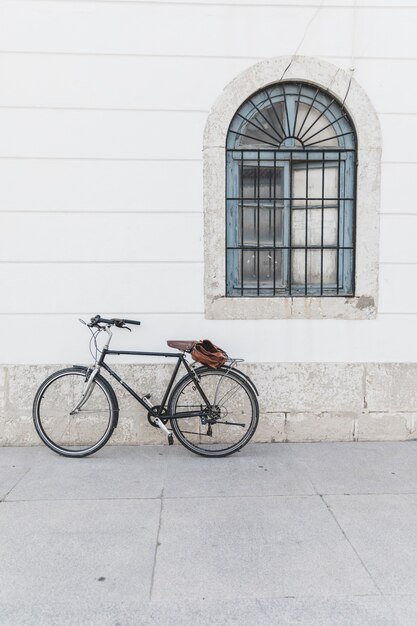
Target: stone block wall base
<point x="298" y="401"/>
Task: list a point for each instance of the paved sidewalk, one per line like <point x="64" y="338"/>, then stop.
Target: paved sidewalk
<point x="312" y="534"/>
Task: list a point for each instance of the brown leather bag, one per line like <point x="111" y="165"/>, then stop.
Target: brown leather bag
<point x="206" y="352"/>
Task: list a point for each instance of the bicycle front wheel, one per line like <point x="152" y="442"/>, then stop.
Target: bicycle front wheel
<point x="70" y="423"/>
<point x="226" y="424"/>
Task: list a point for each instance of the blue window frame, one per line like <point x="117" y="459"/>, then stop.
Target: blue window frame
<point x="290" y="195"/>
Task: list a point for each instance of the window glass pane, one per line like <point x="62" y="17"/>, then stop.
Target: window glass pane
<point x="266" y="225"/>
<point x="263" y="182"/>
<point x="250" y="268"/>
<point x="298" y="267"/>
<point x="271" y="268"/>
<point x="298" y="227"/>
<point x="263" y="128"/>
<point x="329" y="267"/>
<point x="331" y="183"/>
<point x="315" y="128"/>
<point x="250" y="183"/>
<point x="330" y="227"/>
<point x="250" y="225"/>
<point x="261" y="188"/>
<point x="266" y="268"/>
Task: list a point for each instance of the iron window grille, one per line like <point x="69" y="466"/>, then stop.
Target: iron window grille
<point x="290" y="195"/>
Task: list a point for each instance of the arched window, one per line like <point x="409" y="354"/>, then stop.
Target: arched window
<point x="290" y="195"/>
<point x="292" y="154"/>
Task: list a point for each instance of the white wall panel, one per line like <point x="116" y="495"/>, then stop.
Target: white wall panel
<point x="386" y="33"/>
<point x="398" y="239"/>
<point x="397" y="289"/>
<point x="61" y="339"/>
<point x="101" y="134"/>
<point x="67" y="185"/>
<point x="398" y="188"/>
<point x="53" y="80"/>
<point x="141" y="134"/>
<point x="61" y="287"/>
<point x="219" y="30"/>
<point x="396" y="129"/>
<point x="110" y="237"/>
<point x="387" y="83"/>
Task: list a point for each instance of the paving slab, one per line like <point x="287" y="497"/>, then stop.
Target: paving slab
<point x="58" y="552"/>
<point x="404" y="608"/>
<point x="307" y="611"/>
<point x="114" y="472"/>
<point x="224" y="548"/>
<point x="382" y="530"/>
<point x="256" y="470"/>
<point x="360" y="467"/>
<point x="10" y="475"/>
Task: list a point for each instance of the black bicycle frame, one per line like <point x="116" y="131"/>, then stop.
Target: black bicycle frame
<point x="159" y="411"/>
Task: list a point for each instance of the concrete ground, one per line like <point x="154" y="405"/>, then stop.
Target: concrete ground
<point x="314" y="534"/>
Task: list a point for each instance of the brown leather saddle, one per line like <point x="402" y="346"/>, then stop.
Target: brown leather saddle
<point x="187" y="346"/>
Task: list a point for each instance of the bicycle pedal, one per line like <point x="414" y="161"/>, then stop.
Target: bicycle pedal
<point x="170" y="439"/>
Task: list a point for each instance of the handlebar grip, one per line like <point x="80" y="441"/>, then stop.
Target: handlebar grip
<point x="131" y="322"/>
<point x="114" y="321"/>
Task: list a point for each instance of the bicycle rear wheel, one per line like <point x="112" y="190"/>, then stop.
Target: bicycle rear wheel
<point x="227" y="424"/>
<point x="69" y="430"/>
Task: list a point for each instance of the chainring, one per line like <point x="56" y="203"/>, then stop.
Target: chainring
<point x="151" y="417"/>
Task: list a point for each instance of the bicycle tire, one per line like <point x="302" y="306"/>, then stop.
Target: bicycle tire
<point x="236" y="418"/>
<point x="82" y="433"/>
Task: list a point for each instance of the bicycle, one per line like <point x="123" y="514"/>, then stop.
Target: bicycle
<point x="212" y="412"/>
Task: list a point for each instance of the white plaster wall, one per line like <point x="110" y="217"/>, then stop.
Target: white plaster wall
<point x="102" y="110"/>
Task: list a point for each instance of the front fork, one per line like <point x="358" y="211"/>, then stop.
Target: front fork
<point x="88" y="389"/>
<point x="91" y="375"/>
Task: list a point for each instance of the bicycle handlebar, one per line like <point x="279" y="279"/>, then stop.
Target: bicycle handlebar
<point x="120" y="323"/>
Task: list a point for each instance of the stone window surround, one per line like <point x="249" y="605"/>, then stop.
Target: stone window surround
<point x="336" y="81"/>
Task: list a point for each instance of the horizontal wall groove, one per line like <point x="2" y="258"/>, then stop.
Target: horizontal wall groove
<point x="91" y="212"/>
<point x="397" y="313"/>
<point x="138" y="159"/>
<point x="19" y="107"/>
<point x="398" y="113"/>
<point x="398" y="263"/>
<point x="170" y="263"/>
<point x="233" y="5"/>
<point x="95" y="262"/>
<point x="398" y="214"/>
<point x="144" y="314"/>
<point x="63" y="158"/>
<point x="398" y="162"/>
<point x="142" y="55"/>
<point x="196" y="56"/>
<point x="127" y="109"/>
